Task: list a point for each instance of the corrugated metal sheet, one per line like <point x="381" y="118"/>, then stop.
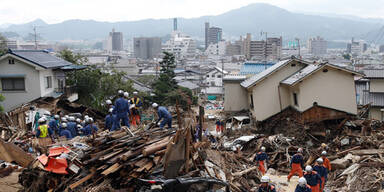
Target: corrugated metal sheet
<point x="254" y="79"/>
<point x="254" y="68"/>
<point x="234" y="77"/>
<point x="377" y="99"/>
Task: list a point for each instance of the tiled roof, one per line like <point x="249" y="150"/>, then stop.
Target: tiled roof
<point x="233" y="77"/>
<point x="374" y="73"/>
<point x="301" y="74"/>
<point x="40" y="58"/>
<point x="188" y="84"/>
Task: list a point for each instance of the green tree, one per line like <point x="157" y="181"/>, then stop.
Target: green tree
<point x="165" y="83"/>
<point x="2" y="98"/>
<point x="347" y="56"/>
<point x="3" y="45"/>
<point x="71" y="57"/>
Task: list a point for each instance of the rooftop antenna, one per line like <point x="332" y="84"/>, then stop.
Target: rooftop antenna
<point x="35" y="35"/>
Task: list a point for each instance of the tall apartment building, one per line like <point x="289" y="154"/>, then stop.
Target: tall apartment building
<point x="381" y="49"/>
<point x="317" y="46"/>
<point x="261" y="50"/>
<point x="357" y="47"/>
<point x="147" y="47"/>
<point x="213" y="35"/>
<point x="115" y="41"/>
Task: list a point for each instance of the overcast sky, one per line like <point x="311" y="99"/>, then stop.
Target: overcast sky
<point x="55" y="11"/>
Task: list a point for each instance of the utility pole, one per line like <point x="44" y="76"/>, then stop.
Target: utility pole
<point x="35" y="36"/>
<point x="265" y="48"/>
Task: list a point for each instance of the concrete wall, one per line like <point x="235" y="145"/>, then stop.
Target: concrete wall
<point x="377" y="85"/>
<point x="235" y="97"/>
<point x="334" y="89"/>
<point x="376" y="113"/>
<point x="14" y="99"/>
<point x="266" y="93"/>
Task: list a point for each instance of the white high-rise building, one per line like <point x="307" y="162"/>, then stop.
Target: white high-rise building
<point x="181" y="45"/>
<point x="317" y="46"/>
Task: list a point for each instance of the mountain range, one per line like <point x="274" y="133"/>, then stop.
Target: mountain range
<point x="253" y="19"/>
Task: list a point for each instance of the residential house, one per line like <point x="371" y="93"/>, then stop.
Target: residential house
<point x="236" y="98"/>
<point x="318" y="91"/>
<point x="214" y="82"/>
<point x="192" y="86"/>
<point x="27" y="75"/>
<point x="370" y="91"/>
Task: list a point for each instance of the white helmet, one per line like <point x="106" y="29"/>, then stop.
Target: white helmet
<point x="320" y="160"/>
<point x="47" y="113"/>
<point x="66" y="116"/>
<point x="120" y="91"/>
<point x="264" y="179"/>
<point x="110" y="110"/>
<point x="300" y="150"/>
<point x="57" y="116"/>
<point x="42" y="120"/>
<point x="108" y="102"/>
<point x="71" y="118"/>
<point x="86" y="117"/>
<point x="135" y="93"/>
<point x="308" y="168"/>
<point x="78" y="120"/>
<point x="126" y="94"/>
<point x="154" y="105"/>
<point x="90" y="120"/>
<point x="263" y="148"/>
<point x="302" y="182"/>
<point x="64" y="125"/>
<point x="63" y="119"/>
<point x="79" y="126"/>
<point x="324" y="153"/>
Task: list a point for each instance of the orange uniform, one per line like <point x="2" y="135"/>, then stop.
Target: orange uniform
<point x="296" y="163"/>
<point x="261" y="157"/>
<point x="327" y="163"/>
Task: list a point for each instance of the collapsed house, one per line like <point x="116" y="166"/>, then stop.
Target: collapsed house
<point x="27" y="75"/>
<point x="319" y="91"/>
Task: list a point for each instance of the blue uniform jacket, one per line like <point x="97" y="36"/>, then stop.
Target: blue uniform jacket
<point x="312" y="178"/>
<point x="53" y="125"/>
<point x="109" y="121"/>
<point x="261" y="156"/>
<point x="88" y="129"/>
<point x="297" y="158"/>
<point x="121" y="107"/>
<point x="71" y="126"/>
<point x="321" y="170"/>
<point x="162" y="112"/>
<point x="66" y="133"/>
<point x="303" y="189"/>
<point x="270" y="188"/>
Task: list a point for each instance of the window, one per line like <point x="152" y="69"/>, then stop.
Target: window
<point x="295" y="99"/>
<point x="13" y="84"/>
<point x="207" y="75"/>
<point x="48" y="82"/>
<point x="11" y="61"/>
<point x="218" y="76"/>
<point x="212" y="83"/>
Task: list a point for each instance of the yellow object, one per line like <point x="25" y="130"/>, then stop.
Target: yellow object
<point x="43" y="131"/>
<point x="135" y="103"/>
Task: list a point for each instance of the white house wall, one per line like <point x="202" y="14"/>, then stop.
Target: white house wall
<point x="377" y="85"/>
<point x="14" y="99"/>
<point x="334" y="89"/>
<point x="235" y="97"/>
<point x="46" y="91"/>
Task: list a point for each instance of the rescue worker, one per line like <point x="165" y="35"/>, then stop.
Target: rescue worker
<point x="122" y="110"/>
<point x="126" y="95"/>
<point x="303" y="186"/>
<point x="313" y="178"/>
<point x="71" y="126"/>
<point x="85" y="121"/>
<point x="109" y="104"/>
<point x="109" y="120"/>
<point x="322" y="171"/>
<point x="65" y="132"/>
<point x="327" y="163"/>
<point x="43" y="130"/>
<point x="265" y="186"/>
<point x="163" y="113"/>
<point x="297" y="162"/>
<point x="261" y="159"/>
<point x="54" y="124"/>
<point x="64" y="120"/>
<point x="218" y="124"/>
<point x="90" y="128"/>
<point x="135" y="111"/>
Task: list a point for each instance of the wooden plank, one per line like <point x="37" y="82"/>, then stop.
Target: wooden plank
<point x="10" y="152"/>
<point x="110" y="155"/>
<point x="81" y="181"/>
<point x="115" y="167"/>
<point x="367" y="152"/>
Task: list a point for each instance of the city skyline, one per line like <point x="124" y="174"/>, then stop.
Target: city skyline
<point x="119" y="10"/>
